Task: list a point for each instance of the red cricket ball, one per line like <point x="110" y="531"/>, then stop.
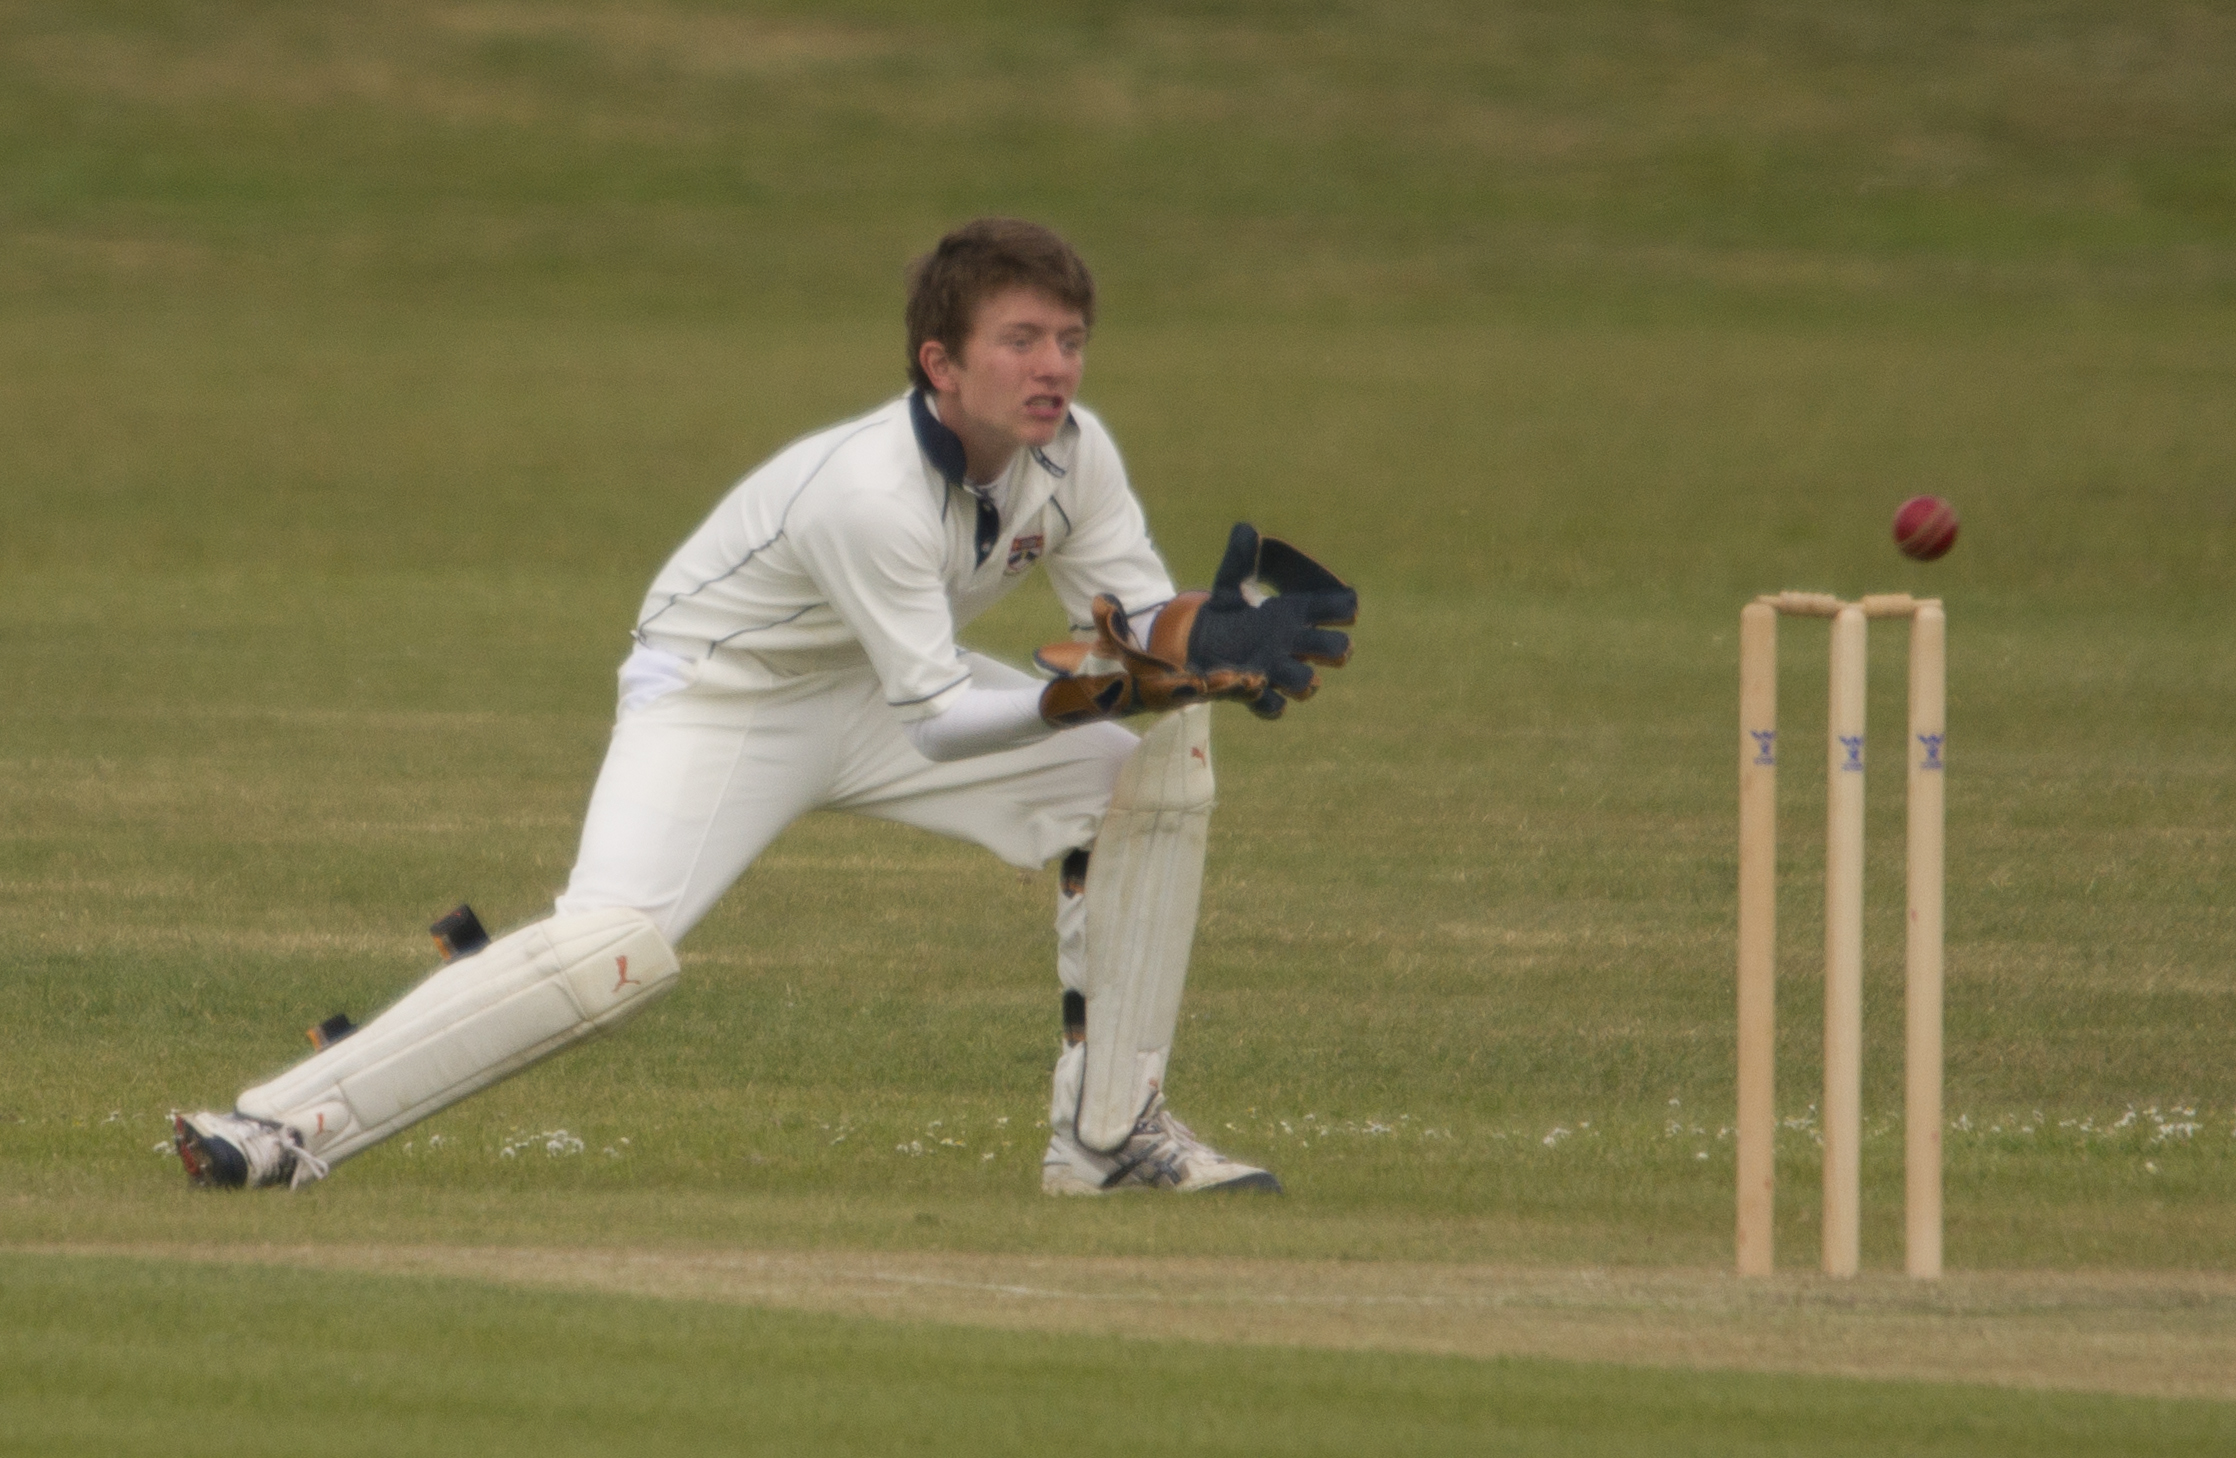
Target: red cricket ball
<point x="1925" y="527"/>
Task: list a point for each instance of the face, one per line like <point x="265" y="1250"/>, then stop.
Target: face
<point x="1019" y="370"/>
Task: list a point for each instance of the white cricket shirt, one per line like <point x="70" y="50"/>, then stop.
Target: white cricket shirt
<point x="861" y="544"/>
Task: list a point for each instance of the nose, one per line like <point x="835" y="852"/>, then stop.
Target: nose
<point x="1051" y="361"/>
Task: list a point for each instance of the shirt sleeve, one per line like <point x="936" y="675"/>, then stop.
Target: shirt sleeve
<point x="981" y="721"/>
<point x="1108" y="548"/>
<point x="880" y="569"/>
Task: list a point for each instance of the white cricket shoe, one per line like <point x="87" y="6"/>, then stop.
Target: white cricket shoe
<point x="234" y="1151"/>
<point x="1161" y="1154"/>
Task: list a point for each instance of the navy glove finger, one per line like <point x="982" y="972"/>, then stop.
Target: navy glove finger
<point x="1316" y="645"/>
<point x="1269" y="704"/>
<point x="1285" y="569"/>
<point x="1336" y="608"/>
<point x="1237" y="567"/>
<point x="1294" y="678"/>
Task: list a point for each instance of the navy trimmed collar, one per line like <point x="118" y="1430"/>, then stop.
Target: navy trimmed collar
<point x="941" y="446"/>
<point x="945" y="450"/>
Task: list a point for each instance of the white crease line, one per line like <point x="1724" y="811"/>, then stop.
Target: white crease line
<point x="1221" y="1299"/>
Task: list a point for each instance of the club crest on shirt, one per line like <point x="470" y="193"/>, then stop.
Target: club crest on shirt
<point x="1023" y="553"/>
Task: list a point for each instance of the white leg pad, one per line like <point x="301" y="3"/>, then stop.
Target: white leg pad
<point x="477" y="1020"/>
<point x="1143" y="887"/>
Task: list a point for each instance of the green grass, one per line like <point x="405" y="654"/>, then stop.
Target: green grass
<point x="106" y="1356"/>
<point x="359" y="367"/>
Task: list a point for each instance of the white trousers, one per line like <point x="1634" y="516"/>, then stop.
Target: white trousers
<point x="699" y="779"/>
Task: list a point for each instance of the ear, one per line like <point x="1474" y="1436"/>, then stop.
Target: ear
<point x="940" y="367"/>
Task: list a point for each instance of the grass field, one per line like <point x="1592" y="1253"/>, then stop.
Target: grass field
<point x="358" y="366"/>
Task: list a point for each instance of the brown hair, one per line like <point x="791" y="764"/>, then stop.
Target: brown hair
<point x="977" y="261"/>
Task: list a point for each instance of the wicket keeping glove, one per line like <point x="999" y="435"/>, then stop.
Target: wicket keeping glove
<point x="1115" y="676"/>
<point x="1280" y="637"/>
<point x="1220" y="644"/>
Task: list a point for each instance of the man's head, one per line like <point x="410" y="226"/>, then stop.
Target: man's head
<point x="973" y="264"/>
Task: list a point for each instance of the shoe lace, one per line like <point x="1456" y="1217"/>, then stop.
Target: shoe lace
<point x="308" y="1166"/>
<point x="1166" y="1125"/>
<point x="1159" y="1141"/>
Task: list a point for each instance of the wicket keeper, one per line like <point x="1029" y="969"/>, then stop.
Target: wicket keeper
<point x="799" y="653"/>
